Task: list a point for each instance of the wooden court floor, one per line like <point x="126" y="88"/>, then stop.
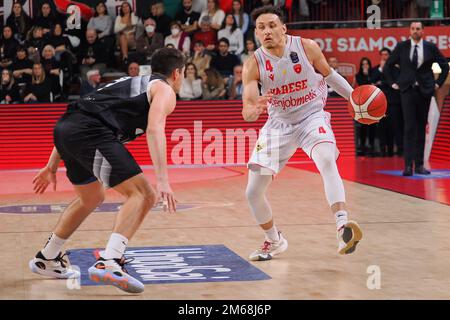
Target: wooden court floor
<point x="407" y="238"/>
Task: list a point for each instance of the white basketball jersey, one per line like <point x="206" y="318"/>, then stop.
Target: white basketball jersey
<point x="298" y="90"/>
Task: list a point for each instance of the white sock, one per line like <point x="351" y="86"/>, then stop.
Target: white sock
<point x="115" y="248"/>
<point x="53" y="247"/>
<point x="341" y="218"/>
<point x="272" y="234"/>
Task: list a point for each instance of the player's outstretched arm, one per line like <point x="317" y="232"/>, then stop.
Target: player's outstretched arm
<point x="162" y="104"/>
<point x="47" y="174"/>
<point x="253" y="103"/>
<point x="320" y="63"/>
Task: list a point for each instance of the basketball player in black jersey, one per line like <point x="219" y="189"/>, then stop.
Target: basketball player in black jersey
<point x="89" y="137"/>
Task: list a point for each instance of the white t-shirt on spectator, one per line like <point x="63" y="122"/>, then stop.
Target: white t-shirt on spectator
<point x="236" y="39"/>
<point x="175" y="41"/>
<point x="217" y="18"/>
<point x="119" y="26"/>
<point x="190" y="89"/>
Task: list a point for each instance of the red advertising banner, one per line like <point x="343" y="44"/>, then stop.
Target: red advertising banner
<point x="350" y="45"/>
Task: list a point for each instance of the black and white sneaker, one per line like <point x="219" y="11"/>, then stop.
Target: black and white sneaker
<point x="54" y="268"/>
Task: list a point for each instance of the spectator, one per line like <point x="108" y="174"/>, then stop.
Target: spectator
<point x="45" y="18"/>
<point x="103" y="24"/>
<point x="40" y="88"/>
<point x="92" y="83"/>
<point x="133" y="69"/>
<point x="250" y="48"/>
<point x="35" y="43"/>
<point x="188" y="18"/>
<point x="200" y="59"/>
<point x="178" y="38"/>
<point x="417" y="85"/>
<point x="162" y="20"/>
<point x="199" y="5"/>
<point x="191" y="87"/>
<point x="333" y="63"/>
<point x="362" y="131"/>
<point x="235" y="86"/>
<point x="215" y="13"/>
<point x="206" y="35"/>
<point x="390" y="128"/>
<point x="59" y="42"/>
<point x="52" y="70"/>
<point x="19" y="21"/>
<point x="213" y="86"/>
<point x="224" y="61"/>
<point x="22" y="67"/>
<point x="170" y="45"/>
<point x="9" y="91"/>
<point x="8" y="46"/>
<point x="234" y="35"/>
<point x="242" y="18"/>
<point x="126" y="29"/>
<point x="149" y="41"/>
<point x="91" y="54"/>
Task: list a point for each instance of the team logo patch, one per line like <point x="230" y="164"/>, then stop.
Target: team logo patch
<point x="271" y="76"/>
<point x="294" y="57"/>
<point x="298" y="68"/>
<point x="176" y="264"/>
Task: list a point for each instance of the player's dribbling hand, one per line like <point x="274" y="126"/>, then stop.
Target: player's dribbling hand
<point x="41" y="181"/>
<point x="263" y="103"/>
<point x="166" y="196"/>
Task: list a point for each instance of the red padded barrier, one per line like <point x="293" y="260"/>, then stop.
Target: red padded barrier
<point x="441" y="145"/>
<point x="26" y="131"/>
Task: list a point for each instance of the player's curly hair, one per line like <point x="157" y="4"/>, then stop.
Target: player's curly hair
<point x="165" y="60"/>
<point x="268" y="9"/>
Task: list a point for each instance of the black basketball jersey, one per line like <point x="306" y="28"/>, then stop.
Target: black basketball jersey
<point x="121" y="105"/>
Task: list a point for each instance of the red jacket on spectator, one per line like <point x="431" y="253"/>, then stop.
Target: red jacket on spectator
<point x="207" y="38"/>
<point x="226" y="5"/>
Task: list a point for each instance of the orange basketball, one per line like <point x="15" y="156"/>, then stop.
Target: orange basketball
<point x="367" y="104"/>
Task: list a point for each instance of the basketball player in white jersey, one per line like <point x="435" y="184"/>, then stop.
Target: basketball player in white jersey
<point x="293" y="74"/>
<point x="90" y="139"/>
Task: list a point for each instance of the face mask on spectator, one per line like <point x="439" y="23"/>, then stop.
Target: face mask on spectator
<point x="150" y="28"/>
<point x="175" y="31"/>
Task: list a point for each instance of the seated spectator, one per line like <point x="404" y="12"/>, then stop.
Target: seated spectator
<point x="188" y="18"/>
<point x="215" y="13"/>
<point x="103" y="24"/>
<point x="45" y="18"/>
<point x="8" y="46"/>
<point x="234" y="35"/>
<point x="149" y="41"/>
<point x="161" y="18"/>
<point x="52" y="70"/>
<point x="200" y="59"/>
<point x="35" y="43"/>
<point x="91" y="54"/>
<point x="19" y="21"/>
<point x="133" y="69"/>
<point x="178" y="38"/>
<point x="250" y="48"/>
<point x="92" y="83"/>
<point x="206" y="35"/>
<point x="126" y="29"/>
<point x="242" y="18"/>
<point x="38" y="91"/>
<point x="199" y="5"/>
<point x="213" y="86"/>
<point x="9" y="91"/>
<point x="191" y="88"/>
<point x="58" y="41"/>
<point x="235" y="86"/>
<point x="333" y="63"/>
<point x="22" y="67"/>
<point x="224" y="61"/>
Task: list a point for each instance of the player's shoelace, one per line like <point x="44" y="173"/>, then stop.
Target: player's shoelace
<point x="122" y="262"/>
<point x="61" y="260"/>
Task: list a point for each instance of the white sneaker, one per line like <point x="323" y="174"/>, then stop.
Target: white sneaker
<point x="348" y="237"/>
<point x="113" y="272"/>
<point x="55" y="268"/>
<point x="269" y="249"/>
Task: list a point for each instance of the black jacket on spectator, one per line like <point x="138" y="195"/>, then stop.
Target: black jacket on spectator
<point x="46" y="22"/>
<point x="38" y="43"/>
<point x="19" y="26"/>
<point x="13" y="92"/>
<point x="48" y="65"/>
<point x="9" y="48"/>
<point x="57" y="41"/>
<point x="22" y="64"/>
<point x="94" y="50"/>
<point x="379" y="79"/>
<point x="225" y="64"/>
<point x="41" y="91"/>
<point x="162" y="24"/>
<point x="409" y="74"/>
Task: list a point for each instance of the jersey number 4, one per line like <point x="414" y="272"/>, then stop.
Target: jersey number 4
<point x="269" y="66"/>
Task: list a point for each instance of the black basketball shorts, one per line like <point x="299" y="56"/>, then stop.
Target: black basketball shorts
<point x="91" y="151"/>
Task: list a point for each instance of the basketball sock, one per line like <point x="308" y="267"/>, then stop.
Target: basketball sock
<point x="324" y="156"/>
<point x="341" y="218"/>
<point x="115" y="248"/>
<point x="53" y="247"/>
<point x="255" y="193"/>
<point x="272" y="234"/>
